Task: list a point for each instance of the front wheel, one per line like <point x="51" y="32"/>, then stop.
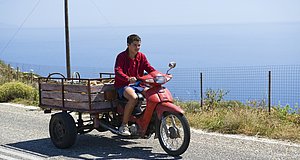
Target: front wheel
<point x="174" y="133"/>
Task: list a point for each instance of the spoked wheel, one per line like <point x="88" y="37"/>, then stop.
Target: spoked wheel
<point x="174" y="134"/>
<point x="62" y="130"/>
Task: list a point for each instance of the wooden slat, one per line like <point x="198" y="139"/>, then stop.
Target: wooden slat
<point x="51" y="94"/>
<point x="76" y="88"/>
<point x="97" y="88"/>
<point x="84" y="88"/>
<point x="76" y="105"/>
<point x="79" y="97"/>
<point x="51" y="87"/>
<point x="51" y="102"/>
<point x="99" y="97"/>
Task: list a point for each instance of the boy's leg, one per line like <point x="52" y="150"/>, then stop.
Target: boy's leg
<point x="131" y="96"/>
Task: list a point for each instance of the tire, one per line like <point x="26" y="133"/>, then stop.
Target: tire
<point x="62" y="129"/>
<point x="178" y="132"/>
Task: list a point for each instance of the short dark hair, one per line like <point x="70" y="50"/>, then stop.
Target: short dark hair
<point x="133" y="37"/>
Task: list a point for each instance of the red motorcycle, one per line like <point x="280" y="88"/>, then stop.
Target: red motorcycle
<point x="154" y="114"/>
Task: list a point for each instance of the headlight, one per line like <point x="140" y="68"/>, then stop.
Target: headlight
<point x="160" y="79"/>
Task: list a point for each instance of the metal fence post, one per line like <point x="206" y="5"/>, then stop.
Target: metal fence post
<point x="201" y="90"/>
<point x="269" y="93"/>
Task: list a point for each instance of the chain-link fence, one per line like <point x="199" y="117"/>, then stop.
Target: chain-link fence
<point x="266" y="85"/>
<point x="273" y="85"/>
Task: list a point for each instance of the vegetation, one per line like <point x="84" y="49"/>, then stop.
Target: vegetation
<point x="17" y="87"/>
<point x="216" y="115"/>
<point x="233" y="117"/>
<point x="18" y="91"/>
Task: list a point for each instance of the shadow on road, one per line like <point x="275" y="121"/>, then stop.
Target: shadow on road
<point x="91" y="147"/>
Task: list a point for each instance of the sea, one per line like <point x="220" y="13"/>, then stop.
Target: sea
<point x="235" y="58"/>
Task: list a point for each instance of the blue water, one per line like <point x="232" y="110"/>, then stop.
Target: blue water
<point x="190" y="46"/>
<point x="218" y="51"/>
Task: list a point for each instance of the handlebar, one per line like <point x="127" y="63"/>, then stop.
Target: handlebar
<point x="155" y="78"/>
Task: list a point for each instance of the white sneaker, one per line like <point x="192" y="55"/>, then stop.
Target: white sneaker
<point x="124" y="130"/>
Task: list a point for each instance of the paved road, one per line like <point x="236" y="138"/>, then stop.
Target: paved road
<point x="24" y="135"/>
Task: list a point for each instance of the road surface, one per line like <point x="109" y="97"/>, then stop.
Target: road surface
<point x="24" y="135"/>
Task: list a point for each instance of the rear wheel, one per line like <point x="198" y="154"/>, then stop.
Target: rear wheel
<point x="62" y="130"/>
<point x="174" y="133"/>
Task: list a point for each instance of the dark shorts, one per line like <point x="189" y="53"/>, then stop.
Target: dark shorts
<point x="137" y="89"/>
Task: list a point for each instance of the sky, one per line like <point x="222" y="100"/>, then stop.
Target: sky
<point x="114" y="13"/>
<point x="214" y="46"/>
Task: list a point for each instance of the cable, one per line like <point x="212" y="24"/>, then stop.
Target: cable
<point x="20" y="27"/>
<point x="101" y="14"/>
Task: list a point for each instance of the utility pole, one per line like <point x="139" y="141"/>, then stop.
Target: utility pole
<point x="68" y="65"/>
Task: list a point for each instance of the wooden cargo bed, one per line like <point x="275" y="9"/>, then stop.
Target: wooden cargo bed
<point x="71" y="94"/>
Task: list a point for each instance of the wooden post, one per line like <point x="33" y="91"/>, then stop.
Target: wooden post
<point x="8" y="72"/>
<point x="31" y="76"/>
<point x="17" y="73"/>
<point x="68" y="63"/>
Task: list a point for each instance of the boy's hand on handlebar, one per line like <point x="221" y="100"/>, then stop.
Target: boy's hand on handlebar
<point x="132" y="79"/>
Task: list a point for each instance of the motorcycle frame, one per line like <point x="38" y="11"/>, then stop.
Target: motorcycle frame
<point x="159" y="100"/>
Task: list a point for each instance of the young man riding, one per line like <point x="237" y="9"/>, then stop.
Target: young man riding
<point x="130" y="64"/>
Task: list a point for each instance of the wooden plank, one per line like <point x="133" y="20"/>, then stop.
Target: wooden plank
<point x="99" y="97"/>
<point x="51" y="87"/>
<point x="83" y="97"/>
<point x="84" y="88"/>
<point x="76" y="88"/>
<point x="85" y="105"/>
<point x="51" y="94"/>
<point x="102" y="87"/>
<point x="79" y="97"/>
<point x="51" y="102"/>
<point x="97" y="88"/>
<point x="77" y="105"/>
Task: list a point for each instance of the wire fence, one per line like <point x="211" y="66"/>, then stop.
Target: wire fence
<point x="277" y="85"/>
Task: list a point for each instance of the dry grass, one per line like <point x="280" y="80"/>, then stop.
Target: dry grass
<point x="241" y="119"/>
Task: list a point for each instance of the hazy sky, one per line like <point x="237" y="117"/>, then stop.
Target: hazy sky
<point x="114" y="13"/>
<point x="270" y="36"/>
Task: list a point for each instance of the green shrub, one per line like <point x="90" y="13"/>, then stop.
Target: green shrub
<point x="13" y="90"/>
<point x="214" y="97"/>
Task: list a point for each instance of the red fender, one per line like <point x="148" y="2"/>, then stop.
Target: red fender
<point x="167" y="107"/>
